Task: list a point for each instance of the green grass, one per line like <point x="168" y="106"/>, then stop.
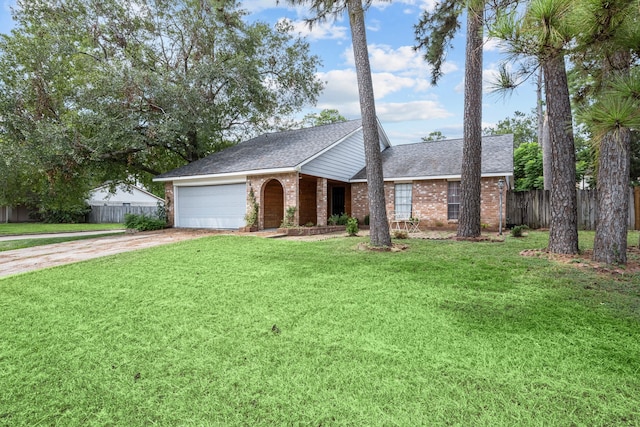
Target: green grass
<point x="445" y="333"/>
<point x="29" y="243"/>
<point x="9" y="229"/>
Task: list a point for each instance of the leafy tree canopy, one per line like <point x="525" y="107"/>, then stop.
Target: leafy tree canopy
<point x="325" y="117"/>
<point x="436" y="135"/>
<point x="524" y="128"/>
<point x="95" y="90"/>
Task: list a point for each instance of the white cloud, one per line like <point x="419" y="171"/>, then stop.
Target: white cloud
<point x="403" y="61"/>
<point x="320" y="30"/>
<point x="414" y="110"/>
<point x="342" y="85"/>
<point x="254" y="6"/>
<point x="492" y="44"/>
<point x="374" y="25"/>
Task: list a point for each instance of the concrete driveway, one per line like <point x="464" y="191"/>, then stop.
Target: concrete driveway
<point x="37" y="257"/>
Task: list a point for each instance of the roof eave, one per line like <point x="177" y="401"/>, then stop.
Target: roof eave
<point x="432" y="177"/>
<point x="227" y="175"/>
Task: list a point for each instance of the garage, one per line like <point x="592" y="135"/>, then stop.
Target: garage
<point x="211" y="206"/>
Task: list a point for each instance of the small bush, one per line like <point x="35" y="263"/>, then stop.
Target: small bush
<point x="352" y="226"/>
<point x="366" y="219"/>
<point x="69" y="215"/>
<point x="400" y="234"/>
<point x="517" y="230"/>
<point x="251" y="217"/>
<point x="143" y="222"/>
<point x="289" y="217"/>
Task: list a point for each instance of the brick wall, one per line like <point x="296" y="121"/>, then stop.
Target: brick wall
<point x="429" y="202"/>
<point x="289" y="182"/>
<point x="359" y="201"/>
<point x="168" y="203"/>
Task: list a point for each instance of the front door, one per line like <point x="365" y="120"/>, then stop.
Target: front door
<point x="337" y="201"/>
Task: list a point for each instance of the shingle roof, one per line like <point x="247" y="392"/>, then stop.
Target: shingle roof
<point x="286" y="149"/>
<point x="443" y="158"/>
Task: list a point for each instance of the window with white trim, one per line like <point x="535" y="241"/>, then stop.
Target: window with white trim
<point x="453" y="200"/>
<point x="403" y="201"/>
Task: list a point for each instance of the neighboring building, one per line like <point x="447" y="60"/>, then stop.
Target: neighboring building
<point x="124" y="195"/>
<point x="111" y="207"/>
<point x="320" y="172"/>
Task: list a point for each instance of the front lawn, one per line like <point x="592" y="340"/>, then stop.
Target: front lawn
<point x="10" y="229"/>
<point x="229" y="330"/>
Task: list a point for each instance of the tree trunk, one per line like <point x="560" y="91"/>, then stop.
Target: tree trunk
<point x="614" y="162"/>
<point x="563" y="233"/>
<point x="470" y="187"/>
<point x="545" y="143"/>
<point x="543" y="134"/>
<point x="379" y="225"/>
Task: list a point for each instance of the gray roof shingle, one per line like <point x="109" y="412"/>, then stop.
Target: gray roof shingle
<point x="443" y="158"/>
<point x="286" y="149"/>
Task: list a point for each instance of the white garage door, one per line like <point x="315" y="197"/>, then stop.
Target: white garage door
<point x="211" y="206"/>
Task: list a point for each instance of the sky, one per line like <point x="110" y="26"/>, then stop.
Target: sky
<point x="408" y="106"/>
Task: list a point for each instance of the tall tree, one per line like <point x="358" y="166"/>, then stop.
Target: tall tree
<point x="434" y="33"/>
<point x="543" y="31"/>
<point x="123" y="88"/>
<point x="470" y="187"/>
<point x="609" y="36"/>
<point x="379" y="224"/>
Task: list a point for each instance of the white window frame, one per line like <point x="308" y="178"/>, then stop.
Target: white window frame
<point x="453" y="200"/>
<point x="403" y="200"/>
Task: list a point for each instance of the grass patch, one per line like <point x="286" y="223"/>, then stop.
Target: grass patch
<point x="229" y="330"/>
<point x="9" y="229"/>
<point x="29" y="243"/>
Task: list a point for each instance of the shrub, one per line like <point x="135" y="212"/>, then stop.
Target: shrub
<point x="289" y="217"/>
<point x="517" y="230"/>
<point x="67" y="215"/>
<point x="251" y="217"/>
<point x="143" y="222"/>
<point x="366" y="219"/>
<point x="400" y="234"/>
<point x="352" y="226"/>
<point x="336" y="219"/>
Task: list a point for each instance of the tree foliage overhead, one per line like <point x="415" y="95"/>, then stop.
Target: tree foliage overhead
<point x="524" y="128"/>
<point x="324" y="117"/>
<point x="116" y="88"/>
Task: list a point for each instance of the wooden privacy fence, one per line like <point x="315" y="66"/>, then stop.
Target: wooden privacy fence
<point x="115" y="214"/>
<point x="533" y="208"/>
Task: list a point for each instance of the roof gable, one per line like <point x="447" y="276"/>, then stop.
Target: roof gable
<point x="443" y="159"/>
<point x="280" y="150"/>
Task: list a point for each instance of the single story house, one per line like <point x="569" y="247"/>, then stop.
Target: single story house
<point x="320" y="171"/>
<point x="123" y="195"/>
<point x="110" y="204"/>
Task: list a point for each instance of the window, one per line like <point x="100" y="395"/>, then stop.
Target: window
<point x="453" y="200"/>
<point x="403" y="201"/>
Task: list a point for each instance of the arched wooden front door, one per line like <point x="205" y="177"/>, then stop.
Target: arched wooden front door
<point x="273" y="209"/>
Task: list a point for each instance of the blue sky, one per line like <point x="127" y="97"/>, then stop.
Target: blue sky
<point x="407" y="105"/>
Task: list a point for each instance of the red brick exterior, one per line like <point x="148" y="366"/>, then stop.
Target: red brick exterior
<point x="289" y="182"/>
<point x="429" y="202"/>
<point x="322" y="202"/>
